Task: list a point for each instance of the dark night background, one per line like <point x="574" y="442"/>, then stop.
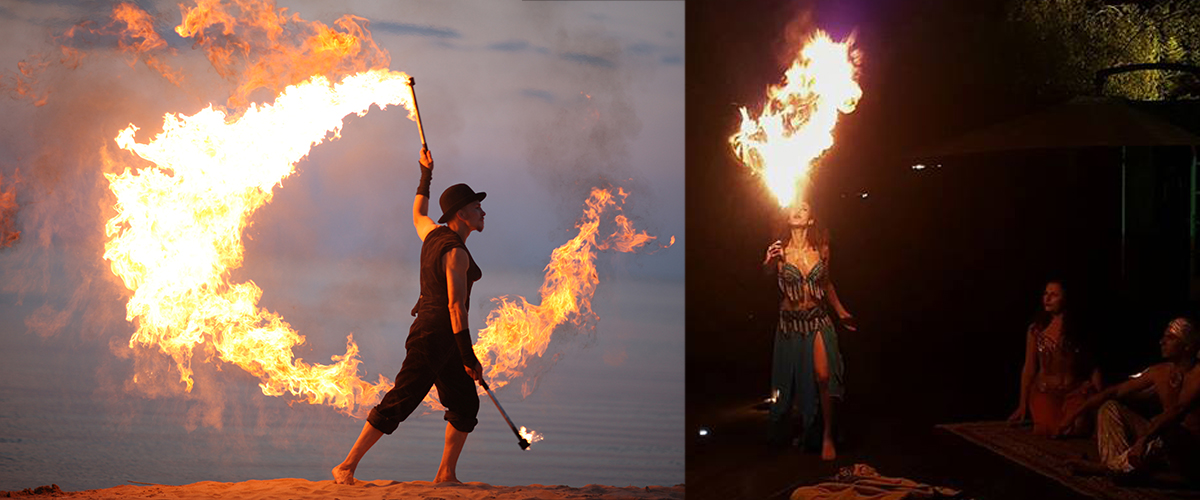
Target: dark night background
<point x="942" y="267"/>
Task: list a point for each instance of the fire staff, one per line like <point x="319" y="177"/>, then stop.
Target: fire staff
<point x="439" y="351"/>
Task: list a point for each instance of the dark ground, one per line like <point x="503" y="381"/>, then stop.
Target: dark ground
<point x="736" y="461"/>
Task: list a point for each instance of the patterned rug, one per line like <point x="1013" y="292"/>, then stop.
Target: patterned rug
<point x="1049" y="457"/>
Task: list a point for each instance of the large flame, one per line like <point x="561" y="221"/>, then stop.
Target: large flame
<point x="795" y="127"/>
<point x="298" y="48"/>
<point x="518" y="331"/>
<point x="176" y="237"/>
<point x="9" y="234"/>
<point x="177" y="233"/>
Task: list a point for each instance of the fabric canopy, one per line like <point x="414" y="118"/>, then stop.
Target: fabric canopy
<point x="1080" y="122"/>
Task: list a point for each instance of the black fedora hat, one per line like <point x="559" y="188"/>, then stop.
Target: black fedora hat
<point x="454" y="198"/>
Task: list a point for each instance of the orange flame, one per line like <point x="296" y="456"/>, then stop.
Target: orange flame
<point x="795" y="126"/>
<point x="8" y="213"/>
<point x="176" y="236"/>
<point x="134" y="29"/>
<point x="297" y="49"/>
<point x="531" y="435"/>
<point x="177" y="233"/>
<point x="518" y="331"/>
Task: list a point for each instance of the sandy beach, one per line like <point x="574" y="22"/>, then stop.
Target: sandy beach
<point x="303" y="489"/>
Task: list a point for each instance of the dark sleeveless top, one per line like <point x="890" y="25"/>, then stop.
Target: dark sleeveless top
<point x="433" y="308"/>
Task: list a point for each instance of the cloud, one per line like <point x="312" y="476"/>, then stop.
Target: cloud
<point x="588" y="59"/>
<point x="415" y="30"/>
<point x="643" y="48"/>
<point x="510" y="46"/>
<point x="672" y="59"/>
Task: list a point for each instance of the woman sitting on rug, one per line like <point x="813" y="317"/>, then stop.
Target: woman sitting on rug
<point x="1058" y="375"/>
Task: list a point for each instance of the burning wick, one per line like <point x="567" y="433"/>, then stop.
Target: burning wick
<point x="525" y="438"/>
<point x="531" y="435"/>
<point x="704" y="431"/>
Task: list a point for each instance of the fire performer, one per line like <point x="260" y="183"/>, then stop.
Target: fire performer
<point x="807" y="364"/>
<point x="439" y="351"/>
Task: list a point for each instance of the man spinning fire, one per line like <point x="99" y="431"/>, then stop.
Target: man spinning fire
<point x="439" y="351"/>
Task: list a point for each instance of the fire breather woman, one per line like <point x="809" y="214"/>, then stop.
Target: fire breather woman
<point x="807" y="367"/>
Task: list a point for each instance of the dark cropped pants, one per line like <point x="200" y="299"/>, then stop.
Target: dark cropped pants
<point x="432" y="360"/>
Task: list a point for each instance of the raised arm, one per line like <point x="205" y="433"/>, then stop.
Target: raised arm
<point x="1121" y="390"/>
<point x="421" y="220"/>
<point x="770" y="264"/>
<point x="1189" y="400"/>
<point x="457" y="263"/>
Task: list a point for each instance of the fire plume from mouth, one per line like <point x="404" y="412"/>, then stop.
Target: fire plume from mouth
<point x="177" y="233"/>
<point x="795" y="126"/>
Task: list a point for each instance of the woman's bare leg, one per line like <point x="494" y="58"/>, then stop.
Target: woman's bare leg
<point x="821" y="364"/>
<point x="344" y="472"/>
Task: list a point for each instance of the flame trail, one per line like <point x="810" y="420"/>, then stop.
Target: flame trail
<point x="518" y="331"/>
<point x="177" y="233"/>
<point x="795" y="126"/>
<point x="9" y="235"/>
<point x="176" y="236"/>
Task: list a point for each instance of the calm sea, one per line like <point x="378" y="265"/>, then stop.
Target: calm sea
<point x="611" y="408"/>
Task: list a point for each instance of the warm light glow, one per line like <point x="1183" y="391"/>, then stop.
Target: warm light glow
<point x="531" y="435"/>
<point x="518" y="331"/>
<point x="177" y="235"/>
<point x="783" y="142"/>
<point x="9" y="235"/>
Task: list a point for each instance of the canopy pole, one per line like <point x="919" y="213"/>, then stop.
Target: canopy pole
<point x="1192" y="229"/>
<point x="1123" y="189"/>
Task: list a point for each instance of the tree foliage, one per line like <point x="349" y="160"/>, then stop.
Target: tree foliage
<point x="1067" y="41"/>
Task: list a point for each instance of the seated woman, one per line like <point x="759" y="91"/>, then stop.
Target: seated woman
<point x="1058" y="375"/>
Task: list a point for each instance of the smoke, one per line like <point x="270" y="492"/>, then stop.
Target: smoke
<point x="584" y="139"/>
<point x="70" y="95"/>
<point x="98" y="72"/>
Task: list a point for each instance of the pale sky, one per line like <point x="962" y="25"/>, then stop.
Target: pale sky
<point x="504" y="92"/>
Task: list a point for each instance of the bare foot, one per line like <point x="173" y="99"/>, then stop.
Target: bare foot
<point x="446" y="480"/>
<point x="828" y="452"/>
<point x="343" y="475"/>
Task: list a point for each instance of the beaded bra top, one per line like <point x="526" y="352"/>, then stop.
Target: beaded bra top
<point x="796" y="286"/>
